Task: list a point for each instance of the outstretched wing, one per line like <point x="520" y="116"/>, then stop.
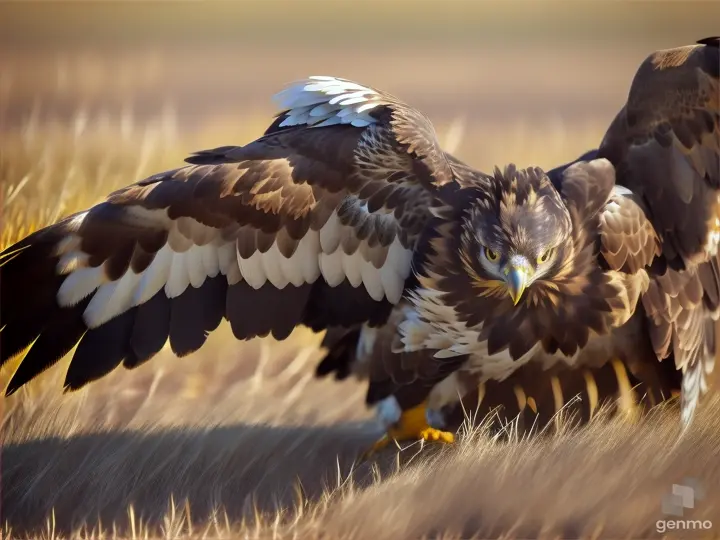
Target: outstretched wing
<point x="665" y="146"/>
<point x="313" y="223"/>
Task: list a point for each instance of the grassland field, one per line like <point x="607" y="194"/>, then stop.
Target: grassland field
<point x="239" y="439"/>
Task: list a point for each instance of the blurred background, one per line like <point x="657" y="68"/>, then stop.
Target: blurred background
<point x="96" y="95"/>
<point x="211" y="67"/>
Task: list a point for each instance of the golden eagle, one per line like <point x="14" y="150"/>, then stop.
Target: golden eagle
<point x="347" y="215"/>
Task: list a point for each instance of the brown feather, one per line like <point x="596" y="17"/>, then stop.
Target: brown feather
<point x="665" y="146"/>
<point x="583" y="392"/>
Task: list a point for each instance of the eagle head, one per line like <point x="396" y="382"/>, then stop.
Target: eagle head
<point x="515" y="257"/>
<point x="516" y="233"/>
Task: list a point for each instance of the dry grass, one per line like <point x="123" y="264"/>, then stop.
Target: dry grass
<point x="230" y="477"/>
<point x="238" y="439"/>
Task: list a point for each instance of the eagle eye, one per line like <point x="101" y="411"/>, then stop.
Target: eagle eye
<point x="545" y="257"/>
<point x="491" y="255"/>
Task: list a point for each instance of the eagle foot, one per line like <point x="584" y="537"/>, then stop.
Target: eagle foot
<point x="412" y="426"/>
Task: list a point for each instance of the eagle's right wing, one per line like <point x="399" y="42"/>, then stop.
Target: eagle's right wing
<point x="313" y="223"/>
<point x="665" y="146"/>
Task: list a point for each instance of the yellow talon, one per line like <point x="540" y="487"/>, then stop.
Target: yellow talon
<point x="412" y="426"/>
<point x="435" y="435"/>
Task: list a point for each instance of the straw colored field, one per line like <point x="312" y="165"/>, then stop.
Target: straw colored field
<point x="239" y="439"/>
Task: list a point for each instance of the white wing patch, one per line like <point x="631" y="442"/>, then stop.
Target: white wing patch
<point x="395" y="271"/>
<point x="181" y="263"/>
<point x="325" y="101"/>
<point x="79" y="284"/>
<point x="111" y="299"/>
<point x="179" y="278"/>
<point x="335" y="265"/>
<point x="155" y="276"/>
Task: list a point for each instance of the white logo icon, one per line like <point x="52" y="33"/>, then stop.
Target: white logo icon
<point x="682" y="496"/>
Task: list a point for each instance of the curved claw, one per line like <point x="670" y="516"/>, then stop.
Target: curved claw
<point x="436" y="435"/>
<point x="412" y="426"/>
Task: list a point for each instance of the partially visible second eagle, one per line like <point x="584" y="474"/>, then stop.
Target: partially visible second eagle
<point x="432" y="278"/>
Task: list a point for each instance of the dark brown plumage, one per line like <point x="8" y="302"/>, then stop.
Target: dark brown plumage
<point x="634" y="272"/>
<point x="665" y="145"/>
<point x="346" y="214"/>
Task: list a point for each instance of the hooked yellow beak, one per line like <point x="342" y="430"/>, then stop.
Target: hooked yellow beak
<point x="516" y="278"/>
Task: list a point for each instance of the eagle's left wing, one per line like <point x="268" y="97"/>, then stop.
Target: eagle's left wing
<point x="665" y="146"/>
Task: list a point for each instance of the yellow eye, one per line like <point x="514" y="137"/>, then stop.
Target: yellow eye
<point x="491" y="255"/>
<point x="542" y="259"/>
